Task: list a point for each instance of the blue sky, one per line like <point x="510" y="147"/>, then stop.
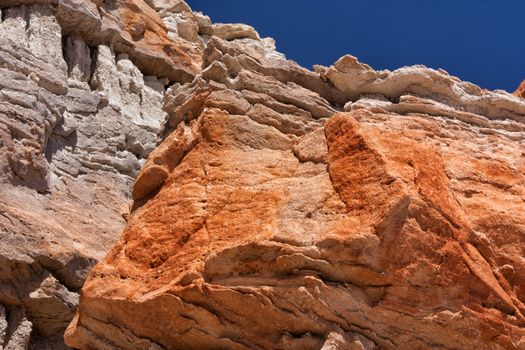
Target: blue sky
<point x="482" y="41"/>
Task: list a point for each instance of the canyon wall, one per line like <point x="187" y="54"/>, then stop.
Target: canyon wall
<point x="272" y="207"/>
<point x="81" y="95"/>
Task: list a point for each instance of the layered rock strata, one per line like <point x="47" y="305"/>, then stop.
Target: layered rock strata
<point x="345" y="208"/>
<point x="81" y="93"/>
<point x="263" y="217"/>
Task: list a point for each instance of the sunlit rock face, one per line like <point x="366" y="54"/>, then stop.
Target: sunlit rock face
<point x="520" y="92"/>
<point x="81" y="104"/>
<point x="263" y="205"/>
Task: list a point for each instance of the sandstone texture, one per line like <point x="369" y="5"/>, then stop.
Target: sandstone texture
<point x="263" y="205"/>
<point x="520" y="92"/>
<point x="81" y="93"/>
<point x="345" y="208"/>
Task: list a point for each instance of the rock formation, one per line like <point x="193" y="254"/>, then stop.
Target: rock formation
<point x="520" y="92"/>
<point x="81" y="94"/>
<point x="273" y="207"/>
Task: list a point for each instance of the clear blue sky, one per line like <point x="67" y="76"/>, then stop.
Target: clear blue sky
<point x="482" y="41"/>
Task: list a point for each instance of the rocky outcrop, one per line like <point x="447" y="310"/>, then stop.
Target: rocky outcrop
<point x="339" y="209"/>
<point x="520" y="92"/>
<point x="81" y="95"/>
<point x="273" y="206"/>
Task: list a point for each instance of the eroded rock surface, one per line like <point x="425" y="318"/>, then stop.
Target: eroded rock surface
<point x="273" y="207"/>
<point x="80" y="110"/>
<point x="269" y="219"/>
<point x="520" y="92"/>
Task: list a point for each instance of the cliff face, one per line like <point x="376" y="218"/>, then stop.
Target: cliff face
<point x="81" y="94"/>
<point x="273" y="207"/>
<point x="520" y="92"/>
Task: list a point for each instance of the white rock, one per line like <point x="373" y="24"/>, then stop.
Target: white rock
<point x="14" y="25"/>
<point x="171" y="24"/>
<point x="139" y="99"/>
<point x="152" y="102"/>
<point x="369" y="101"/>
<point x="106" y="77"/>
<point x="131" y="85"/>
<point x="355" y="79"/>
<point x="3" y="325"/>
<point x="45" y="36"/>
<point x="182" y="24"/>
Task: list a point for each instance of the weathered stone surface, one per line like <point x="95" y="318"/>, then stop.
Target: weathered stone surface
<point x="261" y="57"/>
<point x="173" y="6"/>
<point x="78" y="57"/>
<point x="265" y="221"/>
<point x="44" y="36"/>
<point x="228" y="31"/>
<point x="520" y="92"/>
<point x="355" y="78"/>
<point x="204" y="24"/>
<point x="77" y="121"/>
<point x="3" y="325"/>
<point x="134" y="28"/>
<point x="19" y="331"/>
<point x="262" y="218"/>
<point x="14" y="24"/>
<point x="181" y="22"/>
<point x="399" y="228"/>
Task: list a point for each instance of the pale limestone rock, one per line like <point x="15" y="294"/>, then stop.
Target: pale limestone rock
<point x="312" y="147"/>
<point x="261" y="57"/>
<point x="51" y="307"/>
<point x="68" y="155"/>
<point x="180" y="21"/>
<point x="234" y="31"/>
<point x="20" y="329"/>
<point x="106" y="76"/>
<point x="45" y="36"/>
<point x="152" y="98"/>
<point x="354" y="79"/>
<point x="14" y="25"/>
<point x="289" y="93"/>
<point x="3" y="326"/>
<point x="340" y="340"/>
<point x="187" y="27"/>
<point x="368" y="101"/>
<point x="124" y="86"/>
<point x="171" y="24"/>
<point x="131" y="82"/>
<point x="204" y="24"/>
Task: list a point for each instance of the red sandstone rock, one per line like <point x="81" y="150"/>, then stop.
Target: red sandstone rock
<point x="134" y="28"/>
<point x="401" y="236"/>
